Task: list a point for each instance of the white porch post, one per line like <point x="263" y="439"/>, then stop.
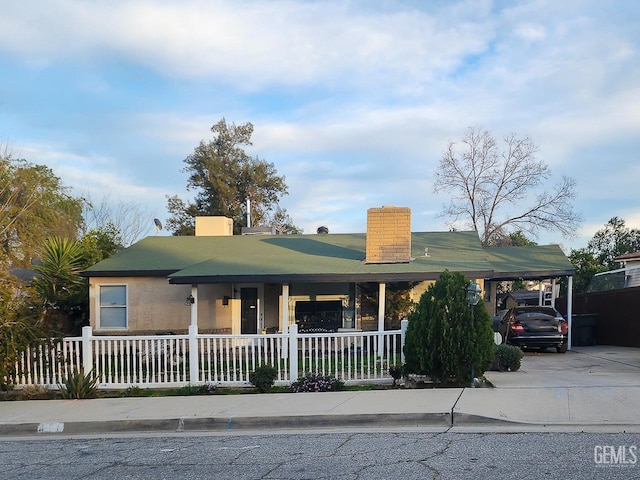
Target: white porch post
<point x="404" y="324"/>
<point x="194" y="367"/>
<point x="87" y="350"/>
<point x="569" y="310"/>
<point x="194" y="305"/>
<point x="553" y="293"/>
<point x="284" y="315"/>
<point x="293" y="349"/>
<point x="382" y="294"/>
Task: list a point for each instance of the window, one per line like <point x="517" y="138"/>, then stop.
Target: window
<point x="113" y="306"/>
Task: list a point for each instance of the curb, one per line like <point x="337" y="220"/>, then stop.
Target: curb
<point x="221" y="424"/>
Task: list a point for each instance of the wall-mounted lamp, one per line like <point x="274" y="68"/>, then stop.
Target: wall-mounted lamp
<point x="474" y="292"/>
<point x="189" y="301"/>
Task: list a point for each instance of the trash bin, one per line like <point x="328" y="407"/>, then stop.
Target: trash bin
<point x="583" y="329"/>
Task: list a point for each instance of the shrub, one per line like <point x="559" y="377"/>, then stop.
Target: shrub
<point x="135" y="391"/>
<point x="313" y="382"/>
<point x="441" y="341"/>
<point x="191" y="390"/>
<point x="396" y="372"/>
<point x="507" y="357"/>
<point x="79" y="385"/>
<point x="263" y="377"/>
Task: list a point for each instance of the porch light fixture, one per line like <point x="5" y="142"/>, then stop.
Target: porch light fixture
<point x="189" y="301"/>
<point x="474" y="292"/>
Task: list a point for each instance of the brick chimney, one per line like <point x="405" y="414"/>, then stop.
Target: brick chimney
<point x="388" y="235"/>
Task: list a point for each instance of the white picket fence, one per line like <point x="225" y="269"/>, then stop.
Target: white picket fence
<point x="157" y="361"/>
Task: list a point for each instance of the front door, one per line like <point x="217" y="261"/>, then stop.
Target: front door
<point x="249" y="310"/>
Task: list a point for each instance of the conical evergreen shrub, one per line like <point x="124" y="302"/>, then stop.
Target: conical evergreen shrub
<point x="441" y="341"/>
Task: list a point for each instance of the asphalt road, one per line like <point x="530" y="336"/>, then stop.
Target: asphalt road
<point x="357" y="455"/>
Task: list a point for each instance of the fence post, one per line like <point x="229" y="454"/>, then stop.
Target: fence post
<point x="87" y="349"/>
<point x="194" y="368"/>
<point x="293" y="352"/>
<point x="403" y="337"/>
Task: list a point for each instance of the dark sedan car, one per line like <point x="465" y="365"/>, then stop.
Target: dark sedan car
<point x="534" y="327"/>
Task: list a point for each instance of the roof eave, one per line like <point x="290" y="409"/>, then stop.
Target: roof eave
<point x="321" y="278"/>
<point x="529" y="275"/>
<point x="128" y="273"/>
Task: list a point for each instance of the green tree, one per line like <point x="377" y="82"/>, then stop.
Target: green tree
<point x="59" y="284"/>
<point x="224" y="177"/>
<point x="100" y="243"/>
<point x="587" y="265"/>
<point x="613" y="240"/>
<point x="498" y="190"/>
<point x="62" y="292"/>
<point x="34" y="205"/>
<point x="444" y="339"/>
<point x="19" y="327"/>
<point x="513" y="239"/>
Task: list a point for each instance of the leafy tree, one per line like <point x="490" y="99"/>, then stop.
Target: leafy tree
<point x="441" y="340"/>
<point x="492" y="188"/>
<point x="19" y="327"/>
<point x="34" y="205"/>
<point x="224" y="177"/>
<point x="613" y="240"/>
<point x="100" y="243"/>
<point x="587" y="265"/>
<point x="58" y="282"/>
<point x="514" y="239"/>
<point x="62" y="292"/>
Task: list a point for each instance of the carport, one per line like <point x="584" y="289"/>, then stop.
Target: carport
<point x="533" y="263"/>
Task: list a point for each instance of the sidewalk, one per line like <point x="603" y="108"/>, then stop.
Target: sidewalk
<point x="587" y="386"/>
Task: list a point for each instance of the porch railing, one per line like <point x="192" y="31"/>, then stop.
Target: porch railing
<point x="176" y="360"/>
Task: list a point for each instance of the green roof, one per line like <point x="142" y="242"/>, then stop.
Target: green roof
<point x="540" y="261"/>
<point x="311" y="258"/>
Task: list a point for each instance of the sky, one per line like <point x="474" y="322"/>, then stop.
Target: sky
<point x="354" y="102"/>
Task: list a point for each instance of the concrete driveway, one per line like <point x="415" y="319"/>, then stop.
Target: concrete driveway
<point x="595" y="366"/>
<point x="588" y="386"/>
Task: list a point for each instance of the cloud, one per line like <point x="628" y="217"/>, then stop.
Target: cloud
<point x="251" y="43"/>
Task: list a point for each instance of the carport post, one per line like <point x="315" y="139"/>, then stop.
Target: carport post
<point x="569" y="310"/>
<point x="540" y="293"/>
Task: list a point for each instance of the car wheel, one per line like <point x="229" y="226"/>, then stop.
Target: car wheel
<point x="562" y="348"/>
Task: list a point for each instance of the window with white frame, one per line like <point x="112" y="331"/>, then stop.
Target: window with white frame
<point x="113" y="306"/>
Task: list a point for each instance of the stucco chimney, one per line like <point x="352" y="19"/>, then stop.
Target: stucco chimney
<point x="214" y="226"/>
<point x="388" y="235"/>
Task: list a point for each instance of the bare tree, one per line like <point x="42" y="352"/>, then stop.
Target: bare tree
<point x="131" y="220"/>
<point x="497" y="191"/>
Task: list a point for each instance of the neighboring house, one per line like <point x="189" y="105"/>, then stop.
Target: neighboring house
<point x="625" y="277"/>
<point x="631" y="265"/>
<point x="256" y="283"/>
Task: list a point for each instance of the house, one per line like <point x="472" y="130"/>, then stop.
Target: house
<point x="631" y="265"/>
<point x="261" y="282"/>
